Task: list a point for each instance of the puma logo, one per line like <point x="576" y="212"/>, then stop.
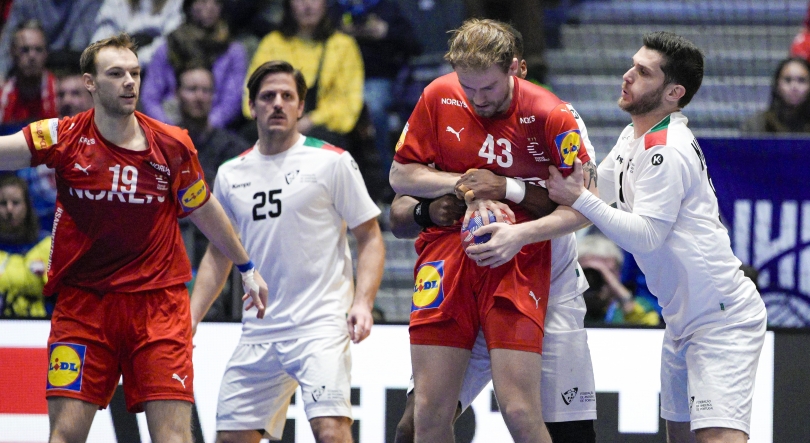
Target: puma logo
<point x="83" y="169"/>
<point x="457" y="133"/>
<point x="536" y="300"/>
<point x="181" y="380"/>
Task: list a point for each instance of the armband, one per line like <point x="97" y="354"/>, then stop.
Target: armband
<point x="421" y="213"/>
<point x="515" y="190"/>
<point x="245" y="267"/>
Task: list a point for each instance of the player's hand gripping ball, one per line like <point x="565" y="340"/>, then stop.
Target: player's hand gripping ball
<point x="468" y="236"/>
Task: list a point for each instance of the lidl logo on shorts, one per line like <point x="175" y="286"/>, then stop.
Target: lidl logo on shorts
<point x="427" y="289"/>
<point x="568" y="144"/>
<point x="193" y="196"/>
<point x="44" y="133"/>
<point x="66" y="366"/>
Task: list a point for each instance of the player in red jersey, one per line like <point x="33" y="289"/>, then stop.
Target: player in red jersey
<point x="117" y="259"/>
<point x="481" y="117"/>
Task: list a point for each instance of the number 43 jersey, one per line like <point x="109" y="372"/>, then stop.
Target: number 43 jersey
<point x="291" y="210"/>
<point x="115" y="227"/>
<point x="537" y="131"/>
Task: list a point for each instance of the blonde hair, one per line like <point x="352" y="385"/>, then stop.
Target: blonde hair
<point x="481" y="43"/>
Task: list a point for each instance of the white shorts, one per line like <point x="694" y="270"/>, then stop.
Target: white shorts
<point x="707" y="378"/>
<point x="568" y="391"/>
<point x="260" y="379"/>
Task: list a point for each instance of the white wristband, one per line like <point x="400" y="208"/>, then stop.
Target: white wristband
<point x="515" y="190"/>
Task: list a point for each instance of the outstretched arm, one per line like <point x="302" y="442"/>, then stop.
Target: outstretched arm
<point x="213" y="222"/>
<point x="421" y="180"/>
<point x="370" y="260"/>
<point x="14" y="153"/>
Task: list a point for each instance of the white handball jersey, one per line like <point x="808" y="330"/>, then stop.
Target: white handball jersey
<point x="567" y="278"/>
<point x="291" y="211"/>
<point x="694" y="273"/>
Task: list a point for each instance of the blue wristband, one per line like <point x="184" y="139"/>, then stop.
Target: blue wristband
<point x="246" y="267"/>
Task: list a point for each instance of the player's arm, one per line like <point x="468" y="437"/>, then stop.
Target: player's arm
<point x="421" y="180"/>
<point x="14" y="152"/>
<point x="410" y="215"/>
<point x="211" y="277"/>
<point x="486" y="185"/>
<point x="213" y="222"/>
<point x="370" y="260"/>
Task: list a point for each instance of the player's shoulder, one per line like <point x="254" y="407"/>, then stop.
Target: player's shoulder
<point x="169" y="135"/>
<point x="52" y="132"/>
<point x="672" y="131"/>
<point x="318" y="148"/>
<point x="236" y="163"/>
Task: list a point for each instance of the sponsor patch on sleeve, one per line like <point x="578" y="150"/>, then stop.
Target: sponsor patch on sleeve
<point x="65" y="367"/>
<point x="44" y="133"/>
<point x="193" y="196"/>
<point x="568" y="145"/>
<point x="401" y="140"/>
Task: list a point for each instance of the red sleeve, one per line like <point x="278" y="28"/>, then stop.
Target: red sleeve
<point x="191" y="190"/>
<point x="564" y="135"/>
<point x="43" y="139"/>
<point x="417" y="143"/>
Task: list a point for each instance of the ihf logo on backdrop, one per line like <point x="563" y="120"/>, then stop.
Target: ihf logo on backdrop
<point x="774" y="237"/>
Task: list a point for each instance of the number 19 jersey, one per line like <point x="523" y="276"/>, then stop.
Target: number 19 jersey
<point x="115" y="227"/>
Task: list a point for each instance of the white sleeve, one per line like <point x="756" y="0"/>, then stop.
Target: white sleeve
<point x="605" y="179"/>
<point x="663" y="178"/>
<point x="632" y="232"/>
<point x="349" y="193"/>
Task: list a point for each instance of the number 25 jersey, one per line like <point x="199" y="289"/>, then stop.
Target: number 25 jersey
<point x="115" y="227"/>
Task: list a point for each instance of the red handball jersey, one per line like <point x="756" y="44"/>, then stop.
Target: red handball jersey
<point x="115" y="227"/>
<point x="538" y="130"/>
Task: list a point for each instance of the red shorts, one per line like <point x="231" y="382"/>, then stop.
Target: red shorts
<point x="453" y="297"/>
<point x="144" y="336"/>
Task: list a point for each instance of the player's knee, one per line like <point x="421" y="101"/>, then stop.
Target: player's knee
<point x="405" y="431"/>
<point x="519" y="415"/>
<point x="331" y="429"/>
<point x="580" y="431"/>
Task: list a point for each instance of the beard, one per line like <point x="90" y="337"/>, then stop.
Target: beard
<point x="644" y="104"/>
<point x="113" y="106"/>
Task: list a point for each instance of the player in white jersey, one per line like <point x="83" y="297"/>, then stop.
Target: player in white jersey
<point x="667" y="216"/>
<point x="291" y="198"/>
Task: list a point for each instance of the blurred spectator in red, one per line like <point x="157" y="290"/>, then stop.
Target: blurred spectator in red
<point x="67" y="25"/>
<point x="203" y="40"/>
<point x="30" y="92"/>
<point x="387" y="40"/>
<point x="148" y="22"/>
<point x="331" y="63"/>
<point x="801" y="43"/>
<point x="789" y="111"/>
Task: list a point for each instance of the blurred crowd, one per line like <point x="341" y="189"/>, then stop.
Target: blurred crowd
<point x="365" y="62"/>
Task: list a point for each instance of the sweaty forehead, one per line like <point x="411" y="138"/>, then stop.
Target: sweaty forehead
<point x="111" y="57"/>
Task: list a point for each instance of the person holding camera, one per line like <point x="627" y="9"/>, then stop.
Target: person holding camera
<point x="607" y="299"/>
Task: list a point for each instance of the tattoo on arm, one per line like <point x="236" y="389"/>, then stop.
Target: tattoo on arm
<point x="591" y="168"/>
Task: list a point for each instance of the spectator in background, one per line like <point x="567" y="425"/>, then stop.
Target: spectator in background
<point x="330" y="61"/>
<point x="607" y="299"/>
<point x="387" y="40"/>
<point x="203" y="40"/>
<point x="146" y="21"/>
<point x="789" y="111"/>
<point x="30" y="92"/>
<point x="67" y="25"/>
<point x="71" y="98"/>
<point x="801" y="43"/>
<point x="24" y="253"/>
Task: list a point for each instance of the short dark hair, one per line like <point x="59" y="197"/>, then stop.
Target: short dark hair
<point x="87" y="62"/>
<point x="289" y="27"/>
<point x="275" y="67"/>
<point x="193" y="65"/>
<point x="33" y="24"/>
<point x="682" y="64"/>
<point x="31" y="222"/>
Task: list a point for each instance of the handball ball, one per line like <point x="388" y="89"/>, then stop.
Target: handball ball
<point x="468" y="236"/>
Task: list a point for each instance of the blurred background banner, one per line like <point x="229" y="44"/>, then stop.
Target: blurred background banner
<point x="765" y="203"/>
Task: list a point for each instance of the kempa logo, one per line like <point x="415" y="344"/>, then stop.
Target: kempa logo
<point x="569" y="395"/>
<point x="774" y="237"/>
<point x="657" y="159"/>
